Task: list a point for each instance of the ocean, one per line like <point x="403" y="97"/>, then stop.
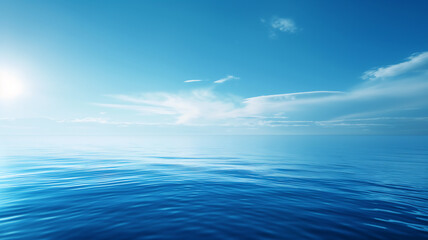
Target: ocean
<point x="214" y="187"/>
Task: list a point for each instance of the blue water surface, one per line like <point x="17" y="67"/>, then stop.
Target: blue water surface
<point x="214" y="187"/>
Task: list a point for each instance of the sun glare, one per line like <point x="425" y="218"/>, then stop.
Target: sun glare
<point x="11" y="86"/>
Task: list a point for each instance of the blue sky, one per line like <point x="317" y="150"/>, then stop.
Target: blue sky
<point x="255" y="67"/>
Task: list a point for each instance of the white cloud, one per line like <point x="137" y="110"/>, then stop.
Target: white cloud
<point x="186" y="107"/>
<point x="287" y="96"/>
<point x="139" y="108"/>
<point x="413" y="63"/>
<point x="229" y="77"/>
<point x="204" y="106"/>
<point x="284" y="25"/>
<point x="193" y="80"/>
<point x="385" y="103"/>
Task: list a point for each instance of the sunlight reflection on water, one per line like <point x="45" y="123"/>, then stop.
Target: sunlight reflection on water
<point x="213" y="187"/>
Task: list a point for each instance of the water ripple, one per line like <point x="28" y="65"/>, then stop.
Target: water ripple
<point x="142" y="191"/>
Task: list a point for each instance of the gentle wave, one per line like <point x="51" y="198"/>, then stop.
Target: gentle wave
<point x="239" y="188"/>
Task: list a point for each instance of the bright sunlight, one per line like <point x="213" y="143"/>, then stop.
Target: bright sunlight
<point x="11" y="86"/>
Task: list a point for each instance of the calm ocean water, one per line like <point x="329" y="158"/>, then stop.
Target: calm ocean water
<point x="247" y="187"/>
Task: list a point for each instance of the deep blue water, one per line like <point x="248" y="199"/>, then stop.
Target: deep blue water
<point x="248" y="187"/>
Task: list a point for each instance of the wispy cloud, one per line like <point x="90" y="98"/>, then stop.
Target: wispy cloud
<point x="283" y="25"/>
<point x="148" y="108"/>
<point x="193" y="80"/>
<point x="288" y="96"/>
<point x="385" y="103"/>
<point x="229" y="77"/>
<point x="197" y="104"/>
<point x="279" y="25"/>
<point x="208" y="107"/>
<point x="413" y="63"/>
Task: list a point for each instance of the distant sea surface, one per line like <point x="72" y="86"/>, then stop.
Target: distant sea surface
<point x="214" y="187"/>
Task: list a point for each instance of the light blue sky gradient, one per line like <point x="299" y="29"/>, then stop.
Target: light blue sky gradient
<point x="215" y="67"/>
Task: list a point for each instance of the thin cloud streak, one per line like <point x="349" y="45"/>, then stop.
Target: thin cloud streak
<point x="289" y="95"/>
<point x="193" y="80"/>
<point x="229" y="77"/>
<point x="414" y="62"/>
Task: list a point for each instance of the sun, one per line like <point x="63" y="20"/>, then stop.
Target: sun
<point x="11" y="86"/>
